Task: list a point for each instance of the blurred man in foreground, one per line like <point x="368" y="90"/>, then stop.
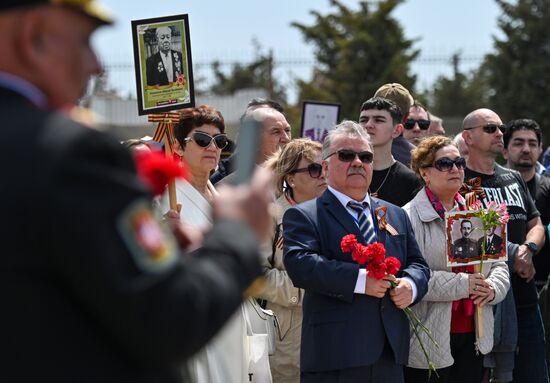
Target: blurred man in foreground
<point x="94" y="289"/>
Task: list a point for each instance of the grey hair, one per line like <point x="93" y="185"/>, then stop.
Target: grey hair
<point x="345" y="128"/>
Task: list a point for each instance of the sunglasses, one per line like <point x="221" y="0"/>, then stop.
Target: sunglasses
<point x="410" y="123"/>
<point x="347" y="155"/>
<point x="446" y="164"/>
<point x="489" y="128"/>
<point x="204" y="140"/>
<point x="313" y="169"/>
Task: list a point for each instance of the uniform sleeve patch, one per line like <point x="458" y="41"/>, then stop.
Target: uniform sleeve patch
<point x="150" y="243"/>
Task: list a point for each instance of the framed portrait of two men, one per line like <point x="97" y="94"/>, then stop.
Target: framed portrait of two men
<point x="466" y="240"/>
<point x="163" y="66"/>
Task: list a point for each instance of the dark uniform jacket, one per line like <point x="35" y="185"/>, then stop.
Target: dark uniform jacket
<point x="465" y="248"/>
<point x="156" y="72"/>
<point x="92" y="289"/>
<point x="493" y="247"/>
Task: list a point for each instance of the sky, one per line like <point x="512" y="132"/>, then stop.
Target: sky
<point x="224" y="30"/>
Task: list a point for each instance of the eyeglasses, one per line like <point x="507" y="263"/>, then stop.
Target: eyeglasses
<point x="204" y="140"/>
<point x="315" y="170"/>
<point x="347" y="155"/>
<point x="446" y="164"/>
<point x="489" y="128"/>
<point x="410" y="123"/>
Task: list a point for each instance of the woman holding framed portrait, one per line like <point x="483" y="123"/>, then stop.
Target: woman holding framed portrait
<point x="448" y="307"/>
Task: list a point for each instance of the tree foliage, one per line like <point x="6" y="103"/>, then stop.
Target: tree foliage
<point x="257" y="74"/>
<point x="518" y="72"/>
<point x="356" y="52"/>
<point x="459" y="95"/>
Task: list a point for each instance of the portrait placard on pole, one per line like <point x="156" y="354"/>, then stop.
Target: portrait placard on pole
<point x="319" y="118"/>
<point x="163" y="66"/>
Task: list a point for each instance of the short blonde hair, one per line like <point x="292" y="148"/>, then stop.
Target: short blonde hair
<point x="423" y="155"/>
<point x="286" y="159"/>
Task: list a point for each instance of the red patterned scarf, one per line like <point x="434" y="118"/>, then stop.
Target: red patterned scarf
<point x="462" y="307"/>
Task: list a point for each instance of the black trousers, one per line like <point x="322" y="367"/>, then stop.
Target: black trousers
<point x="468" y="367"/>
<point x="385" y="370"/>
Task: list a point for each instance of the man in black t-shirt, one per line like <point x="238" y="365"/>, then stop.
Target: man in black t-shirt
<point x="391" y="180"/>
<point x="522" y="149"/>
<point x="483" y="136"/>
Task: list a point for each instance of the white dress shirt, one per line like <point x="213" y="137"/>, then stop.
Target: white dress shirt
<point x="361" y="284"/>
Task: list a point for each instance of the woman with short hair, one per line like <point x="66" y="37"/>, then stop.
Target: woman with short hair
<point x="453" y="293"/>
<point x="298" y="177"/>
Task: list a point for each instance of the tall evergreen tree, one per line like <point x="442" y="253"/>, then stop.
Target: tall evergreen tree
<point x="458" y="95"/>
<point x="356" y="52"/>
<point x="518" y="72"/>
<point x="257" y="74"/>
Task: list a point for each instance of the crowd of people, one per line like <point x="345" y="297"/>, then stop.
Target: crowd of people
<point x="103" y="282"/>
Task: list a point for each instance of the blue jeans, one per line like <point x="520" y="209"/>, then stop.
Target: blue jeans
<point x="530" y="362"/>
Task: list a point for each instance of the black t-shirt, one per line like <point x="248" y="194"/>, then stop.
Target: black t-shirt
<point x="397" y="184"/>
<point x="539" y="187"/>
<point x="507" y="186"/>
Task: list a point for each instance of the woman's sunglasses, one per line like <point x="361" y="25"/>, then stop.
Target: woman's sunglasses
<point x="204" y="140"/>
<point x="315" y="170"/>
<point x="489" y="128"/>
<point x="446" y="164"/>
<point x="410" y="123"/>
<point x="346" y="155"/>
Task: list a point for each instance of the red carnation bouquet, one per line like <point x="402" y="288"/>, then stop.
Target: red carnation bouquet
<point x="156" y="170"/>
<point x="378" y="266"/>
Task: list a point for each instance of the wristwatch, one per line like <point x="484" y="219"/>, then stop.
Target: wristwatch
<point x="532" y="247"/>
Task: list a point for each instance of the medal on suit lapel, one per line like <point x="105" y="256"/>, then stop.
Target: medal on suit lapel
<point x="380" y="213"/>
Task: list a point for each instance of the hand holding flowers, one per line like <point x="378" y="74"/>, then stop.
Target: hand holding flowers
<point x="381" y="273"/>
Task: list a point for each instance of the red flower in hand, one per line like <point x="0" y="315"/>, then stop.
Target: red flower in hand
<point x="348" y="243"/>
<point x="392" y="265"/>
<point x="156" y="170"/>
<point x="376" y="252"/>
<point x="376" y="270"/>
<point x="359" y="254"/>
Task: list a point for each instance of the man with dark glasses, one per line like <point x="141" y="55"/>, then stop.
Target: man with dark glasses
<point x="344" y="308"/>
<point x="482" y="132"/>
<point x="522" y="149"/>
<point x="391" y="180"/>
<point x="416" y="124"/>
<point x="401" y="148"/>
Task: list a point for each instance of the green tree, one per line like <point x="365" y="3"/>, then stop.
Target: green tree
<point x="518" y="72"/>
<point x="459" y="95"/>
<point x="356" y="52"/>
<point x="257" y="74"/>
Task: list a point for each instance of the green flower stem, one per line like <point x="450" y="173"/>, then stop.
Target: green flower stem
<point x="416" y="324"/>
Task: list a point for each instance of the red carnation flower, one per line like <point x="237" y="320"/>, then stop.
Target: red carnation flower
<point x="376" y="270"/>
<point x="376" y="252"/>
<point x="156" y="170"/>
<point x="359" y="254"/>
<point x="348" y="243"/>
<point x="392" y="265"/>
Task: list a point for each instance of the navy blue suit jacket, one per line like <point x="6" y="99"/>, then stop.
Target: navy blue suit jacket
<point x="341" y="329"/>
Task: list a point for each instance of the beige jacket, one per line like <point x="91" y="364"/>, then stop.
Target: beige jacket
<point x="444" y="287"/>
<point x="286" y="302"/>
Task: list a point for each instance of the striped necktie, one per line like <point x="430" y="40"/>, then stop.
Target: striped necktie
<point x="363" y="222"/>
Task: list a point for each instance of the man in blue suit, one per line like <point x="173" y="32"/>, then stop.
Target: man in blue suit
<point x="354" y="329"/>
